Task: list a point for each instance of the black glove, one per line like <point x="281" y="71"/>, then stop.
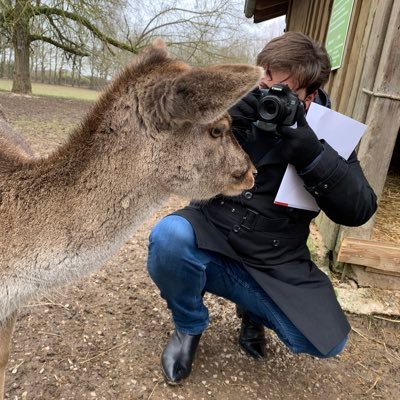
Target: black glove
<point x="300" y="146"/>
<point x="244" y="112"/>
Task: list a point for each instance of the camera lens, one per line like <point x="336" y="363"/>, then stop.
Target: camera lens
<point x="277" y="106"/>
<point x="272" y="109"/>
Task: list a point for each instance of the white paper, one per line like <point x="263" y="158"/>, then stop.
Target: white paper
<point x="341" y="132"/>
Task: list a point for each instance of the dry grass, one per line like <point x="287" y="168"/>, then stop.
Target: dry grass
<point x="387" y="222"/>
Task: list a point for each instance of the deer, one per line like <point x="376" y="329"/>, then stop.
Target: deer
<point x="161" y="127"/>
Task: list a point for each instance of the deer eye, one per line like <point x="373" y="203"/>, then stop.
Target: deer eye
<point x="217" y="131"/>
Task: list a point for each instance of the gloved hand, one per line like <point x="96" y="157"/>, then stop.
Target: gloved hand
<point x="300" y="145"/>
<point x="244" y="112"/>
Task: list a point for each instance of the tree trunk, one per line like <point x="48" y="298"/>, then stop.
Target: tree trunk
<point x="3" y="63"/>
<point x="50" y="65"/>
<point x="80" y="71"/>
<point x="10" y="65"/>
<point x="91" y="85"/>
<point x="36" y="68"/>
<point x="21" y="42"/>
<point x="73" y="70"/>
<point x="60" y="70"/>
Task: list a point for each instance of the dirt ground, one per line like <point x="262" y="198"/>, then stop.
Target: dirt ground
<point x="102" y="337"/>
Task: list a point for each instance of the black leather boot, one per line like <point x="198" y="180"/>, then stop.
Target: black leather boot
<point x="252" y="336"/>
<point x="177" y="357"/>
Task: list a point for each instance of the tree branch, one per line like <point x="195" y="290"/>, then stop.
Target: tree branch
<point x="48" y="11"/>
<point x="70" y="49"/>
<point x="59" y="33"/>
<point x="146" y="31"/>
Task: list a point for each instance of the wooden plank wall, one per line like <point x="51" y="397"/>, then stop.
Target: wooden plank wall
<point x="383" y="113"/>
<point x="310" y="17"/>
<point x="363" y="52"/>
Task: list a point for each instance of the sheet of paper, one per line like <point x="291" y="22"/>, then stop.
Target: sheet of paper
<point x="341" y="132"/>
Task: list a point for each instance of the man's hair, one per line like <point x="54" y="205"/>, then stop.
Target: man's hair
<point x="305" y="60"/>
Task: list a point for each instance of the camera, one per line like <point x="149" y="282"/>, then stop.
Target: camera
<point x="277" y="106"/>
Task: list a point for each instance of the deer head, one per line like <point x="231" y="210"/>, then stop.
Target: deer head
<point x="173" y="121"/>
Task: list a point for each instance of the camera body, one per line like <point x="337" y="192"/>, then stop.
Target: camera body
<point x="277" y="106"/>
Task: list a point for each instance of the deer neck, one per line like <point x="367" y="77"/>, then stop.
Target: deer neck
<point x="74" y="210"/>
<point x="107" y="184"/>
<point x="86" y="199"/>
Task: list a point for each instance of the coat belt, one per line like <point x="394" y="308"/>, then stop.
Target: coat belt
<point x="224" y="210"/>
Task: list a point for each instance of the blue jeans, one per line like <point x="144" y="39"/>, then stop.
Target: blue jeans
<point x="183" y="273"/>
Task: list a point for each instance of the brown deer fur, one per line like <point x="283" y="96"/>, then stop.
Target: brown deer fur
<point x="160" y="128"/>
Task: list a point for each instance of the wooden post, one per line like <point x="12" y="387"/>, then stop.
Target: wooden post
<point x="335" y="87"/>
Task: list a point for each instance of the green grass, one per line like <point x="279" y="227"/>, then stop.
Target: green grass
<point x="41" y="89"/>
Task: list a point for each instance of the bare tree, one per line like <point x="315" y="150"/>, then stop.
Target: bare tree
<point x="189" y="27"/>
<point x="200" y="31"/>
<point x="57" y="22"/>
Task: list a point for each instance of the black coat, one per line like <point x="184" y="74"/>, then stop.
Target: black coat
<point x="270" y="239"/>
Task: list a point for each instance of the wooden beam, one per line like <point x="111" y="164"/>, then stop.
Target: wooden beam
<point x="265" y="10"/>
<point x="266" y="4"/>
<point x="368" y="253"/>
<point x="382" y="272"/>
<point x="265" y="15"/>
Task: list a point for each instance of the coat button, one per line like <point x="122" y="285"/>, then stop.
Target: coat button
<point x="236" y="228"/>
<point x="233" y="210"/>
<point x="248" y="195"/>
<point x="325" y="186"/>
<point x="276" y="243"/>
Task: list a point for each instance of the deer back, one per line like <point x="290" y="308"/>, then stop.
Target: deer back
<point x="13" y="146"/>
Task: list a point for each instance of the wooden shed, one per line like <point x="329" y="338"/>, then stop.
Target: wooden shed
<point x="363" y="40"/>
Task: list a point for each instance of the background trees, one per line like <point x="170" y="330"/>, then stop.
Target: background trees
<point x="85" y="41"/>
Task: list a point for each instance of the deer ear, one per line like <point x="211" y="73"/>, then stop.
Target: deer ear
<point x="159" y="45"/>
<point x="204" y="94"/>
<point x="154" y="54"/>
